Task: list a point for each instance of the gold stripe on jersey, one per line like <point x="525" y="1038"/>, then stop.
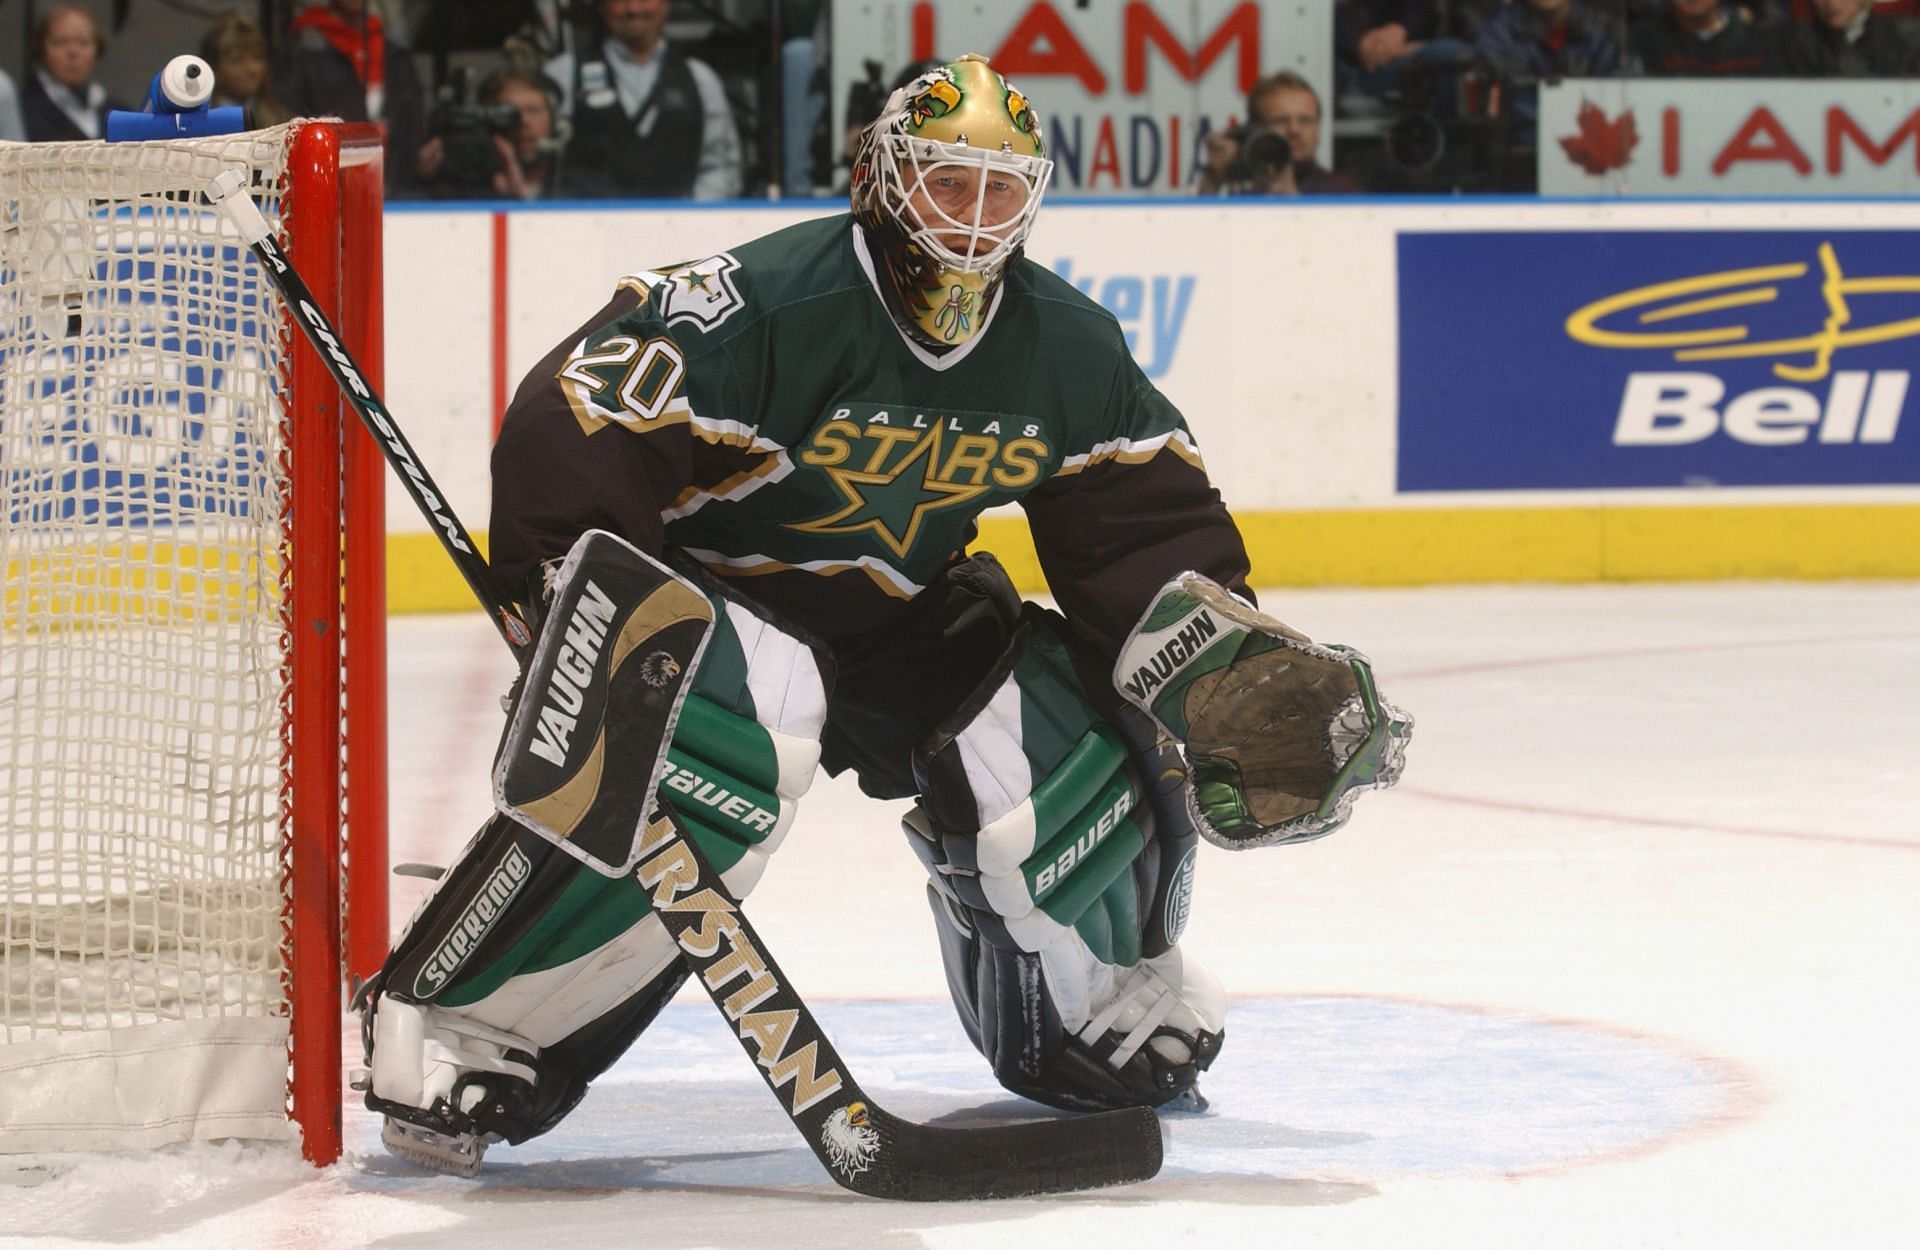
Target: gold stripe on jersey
<point x="593" y="418"/>
<point x="890" y="580"/>
<point x="773" y="467"/>
<point x="723" y="433"/>
<point x="1134" y="451"/>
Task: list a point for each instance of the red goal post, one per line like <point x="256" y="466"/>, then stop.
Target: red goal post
<point x="192" y="645"/>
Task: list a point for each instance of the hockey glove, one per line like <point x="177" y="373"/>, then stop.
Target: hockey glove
<point x="1281" y="733"/>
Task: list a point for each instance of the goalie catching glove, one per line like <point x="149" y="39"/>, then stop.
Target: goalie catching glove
<point x="1281" y="733"/>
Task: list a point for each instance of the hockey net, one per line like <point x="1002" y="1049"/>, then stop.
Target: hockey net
<point x="184" y="533"/>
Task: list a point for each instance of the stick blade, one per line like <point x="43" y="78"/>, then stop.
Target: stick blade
<point x="928" y="1163"/>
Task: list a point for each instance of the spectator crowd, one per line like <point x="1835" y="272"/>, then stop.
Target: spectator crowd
<point x="1464" y="77"/>
<point x="592" y="98"/>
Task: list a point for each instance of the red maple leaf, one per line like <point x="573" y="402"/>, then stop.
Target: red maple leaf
<point x="1601" y="144"/>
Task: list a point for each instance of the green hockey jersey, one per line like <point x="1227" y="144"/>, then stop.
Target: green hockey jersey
<point x="761" y="411"/>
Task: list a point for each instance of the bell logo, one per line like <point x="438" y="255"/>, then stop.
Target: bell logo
<point x="1674" y="409"/>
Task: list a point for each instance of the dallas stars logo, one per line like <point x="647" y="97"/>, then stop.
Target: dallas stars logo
<point x="702" y="293"/>
<point x="892" y="502"/>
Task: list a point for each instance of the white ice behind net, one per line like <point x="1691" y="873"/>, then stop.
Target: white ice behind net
<point x="141" y="647"/>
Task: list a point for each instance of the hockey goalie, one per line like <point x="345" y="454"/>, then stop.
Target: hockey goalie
<point x="806" y="427"/>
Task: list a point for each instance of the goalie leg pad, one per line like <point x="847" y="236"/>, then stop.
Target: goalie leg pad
<point x="469" y="1026"/>
<point x="526" y="972"/>
<point x="1006" y="1005"/>
<point x="1061" y="863"/>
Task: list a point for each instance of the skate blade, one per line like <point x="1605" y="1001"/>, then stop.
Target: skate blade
<point x="1190" y="1101"/>
<point x="453" y="1155"/>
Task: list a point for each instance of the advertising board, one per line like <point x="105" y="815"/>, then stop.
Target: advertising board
<point x="1721" y="137"/>
<point x="1656" y="358"/>
<point x="1127" y="92"/>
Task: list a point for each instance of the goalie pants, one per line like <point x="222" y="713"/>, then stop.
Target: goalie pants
<point x="893" y="687"/>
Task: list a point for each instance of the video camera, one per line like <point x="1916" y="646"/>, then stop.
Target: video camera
<point x="1262" y="154"/>
<point x="1451" y="131"/>
<point x="466" y="129"/>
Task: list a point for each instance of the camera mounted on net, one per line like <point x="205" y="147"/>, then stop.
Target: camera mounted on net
<point x="1262" y="155"/>
<point x="466" y="130"/>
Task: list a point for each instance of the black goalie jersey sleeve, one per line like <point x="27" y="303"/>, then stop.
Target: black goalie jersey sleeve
<point x="1120" y="518"/>
<point x="572" y="453"/>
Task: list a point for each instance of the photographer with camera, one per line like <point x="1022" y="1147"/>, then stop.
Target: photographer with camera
<point x="503" y="144"/>
<point x="1273" y="152"/>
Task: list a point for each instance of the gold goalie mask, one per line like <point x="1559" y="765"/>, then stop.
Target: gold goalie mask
<point x="946" y="183"/>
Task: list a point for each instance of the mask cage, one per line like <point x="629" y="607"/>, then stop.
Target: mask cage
<point x="904" y="164"/>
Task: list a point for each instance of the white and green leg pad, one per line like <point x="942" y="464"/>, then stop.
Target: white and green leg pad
<point x="527" y="972"/>
<point x="1061" y="864"/>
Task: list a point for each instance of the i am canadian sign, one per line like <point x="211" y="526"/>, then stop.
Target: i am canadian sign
<point x="1743" y="136"/>
<point x="1127" y="93"/>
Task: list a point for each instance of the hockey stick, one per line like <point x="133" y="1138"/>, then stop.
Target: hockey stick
<point x="863" y="1147"/>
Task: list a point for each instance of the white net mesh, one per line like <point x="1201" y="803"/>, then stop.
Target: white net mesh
<point x="141" y="641"/>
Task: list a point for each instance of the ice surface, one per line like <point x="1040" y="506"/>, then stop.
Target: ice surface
<point x="1628" y="960"/>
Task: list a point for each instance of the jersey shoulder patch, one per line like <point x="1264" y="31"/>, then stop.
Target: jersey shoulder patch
<point x="701" y="293"/>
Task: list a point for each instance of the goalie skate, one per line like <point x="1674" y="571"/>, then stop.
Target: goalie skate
<point x="455" y="1154"/>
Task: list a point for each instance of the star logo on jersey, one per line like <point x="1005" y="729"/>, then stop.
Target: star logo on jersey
<point x="893" y="501"/>
<point x="701" y="294"/>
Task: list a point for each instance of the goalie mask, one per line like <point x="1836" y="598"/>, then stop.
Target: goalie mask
<point x="946" y="183"/>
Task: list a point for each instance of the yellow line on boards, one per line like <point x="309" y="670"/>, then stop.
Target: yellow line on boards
<point x="1421" y="546"/>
